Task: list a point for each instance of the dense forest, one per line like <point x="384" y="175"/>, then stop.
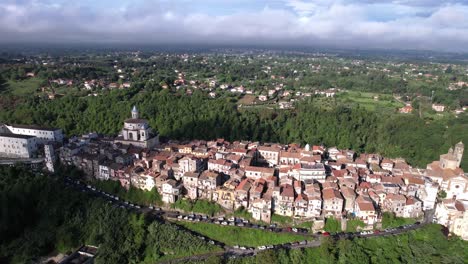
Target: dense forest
<point x="179" y="116"/>
<point x="39" y="216"/>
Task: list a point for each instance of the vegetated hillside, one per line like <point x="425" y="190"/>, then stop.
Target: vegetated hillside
<point x="426" y="245"/>
<point x="39" y="216"/>
<point x="177" y="116"/>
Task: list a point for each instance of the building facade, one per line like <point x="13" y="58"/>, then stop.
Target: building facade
<point x="137" y="132"/>
<point x="17" y="146"/>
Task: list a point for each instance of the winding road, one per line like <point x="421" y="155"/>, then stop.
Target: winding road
<point x="310" y="239"/>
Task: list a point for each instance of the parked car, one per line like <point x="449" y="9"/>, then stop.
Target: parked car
<point x="325" y="234"/>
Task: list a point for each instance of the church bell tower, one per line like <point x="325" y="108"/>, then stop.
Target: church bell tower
<point x="458" y="152"/>
<point x="135" y="114"/>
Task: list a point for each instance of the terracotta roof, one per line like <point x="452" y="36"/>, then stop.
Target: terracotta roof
<point x="365" y="185"/>
<point x="331" y="193"/>
<point x="339" y="173"/>
<point x="348" y="192"/>
<point x="365" y="206"/>
<point x="239" y="150"/>
<point x="191" y="174"/>
<point x="395" y="180"/>
<point x="208" y="174"/>
<point x="395" y="197"/>
<point x="434" y="170"/>
<point x="329" y="184"/>
<point x="413" y="179"/>
<point x="260" y="169"/>
<point x="220" y="162"/>
<point x="301" y="197"/>
<point x="287" y="191"/>
<point x="244" y="185"/>
<point x="387" y="161"/>
<point x="267" y="148"/>
<point x="318" y="148"/>
<point x="410" y="201"/>
<point x="460" y="207"/>
<point x="287" y="154"/>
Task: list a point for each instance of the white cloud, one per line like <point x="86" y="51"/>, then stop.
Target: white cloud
<point x="338" y="23"/>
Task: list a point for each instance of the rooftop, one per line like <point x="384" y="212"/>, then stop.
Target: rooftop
<point x="35" y="127"/>
<point x="15" y="136"/>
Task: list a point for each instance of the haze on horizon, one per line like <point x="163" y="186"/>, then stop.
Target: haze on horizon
<point x="387" y="24"/>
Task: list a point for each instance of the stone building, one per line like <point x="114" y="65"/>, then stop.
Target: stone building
<point x="136" y="132"/>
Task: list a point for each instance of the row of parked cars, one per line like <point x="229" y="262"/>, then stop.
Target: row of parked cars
<point x="265" y="247"/>
<point x="368" y="232"/>
<point x="108" y="195"/>
<point x="240" y="222"/>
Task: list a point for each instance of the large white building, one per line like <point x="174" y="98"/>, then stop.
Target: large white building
<point x="42" y="134"/>
<point x="448" y="174"/>
<point x="17" y="146"/>
<point x="308" y="172"/>
<point x="137" y="132"/>
<point x="454" y="215"/>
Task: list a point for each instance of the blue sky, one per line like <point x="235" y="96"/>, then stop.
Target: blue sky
<point x="388" y="24"/>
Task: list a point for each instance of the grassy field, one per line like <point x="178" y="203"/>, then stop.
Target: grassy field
<point x="232" y="235"/>
<point x="352" y="225"/>
<point x="367" y="100"/>
<point x="24" y="87"/>
<point x="281" y="220"/>
<point x="332" y="225"/>
<point x="247" y="99"/>
<point x="199" y="206"/>
<point x="308" y="225"/>
<point x="132" y="195"/>
<point x="389" y="220"/>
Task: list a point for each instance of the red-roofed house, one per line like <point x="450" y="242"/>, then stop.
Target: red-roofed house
<point x="286" y="199"/>
<point x="332" y="202"/>
<point x="364" y="210"/>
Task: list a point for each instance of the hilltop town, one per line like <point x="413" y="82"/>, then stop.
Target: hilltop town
<point x="302" y="182"/>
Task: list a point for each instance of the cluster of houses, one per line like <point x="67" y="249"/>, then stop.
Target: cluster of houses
<point x="211" y="85"/>
<point x="304" y="182"/>
<point x="92" y="84"/>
